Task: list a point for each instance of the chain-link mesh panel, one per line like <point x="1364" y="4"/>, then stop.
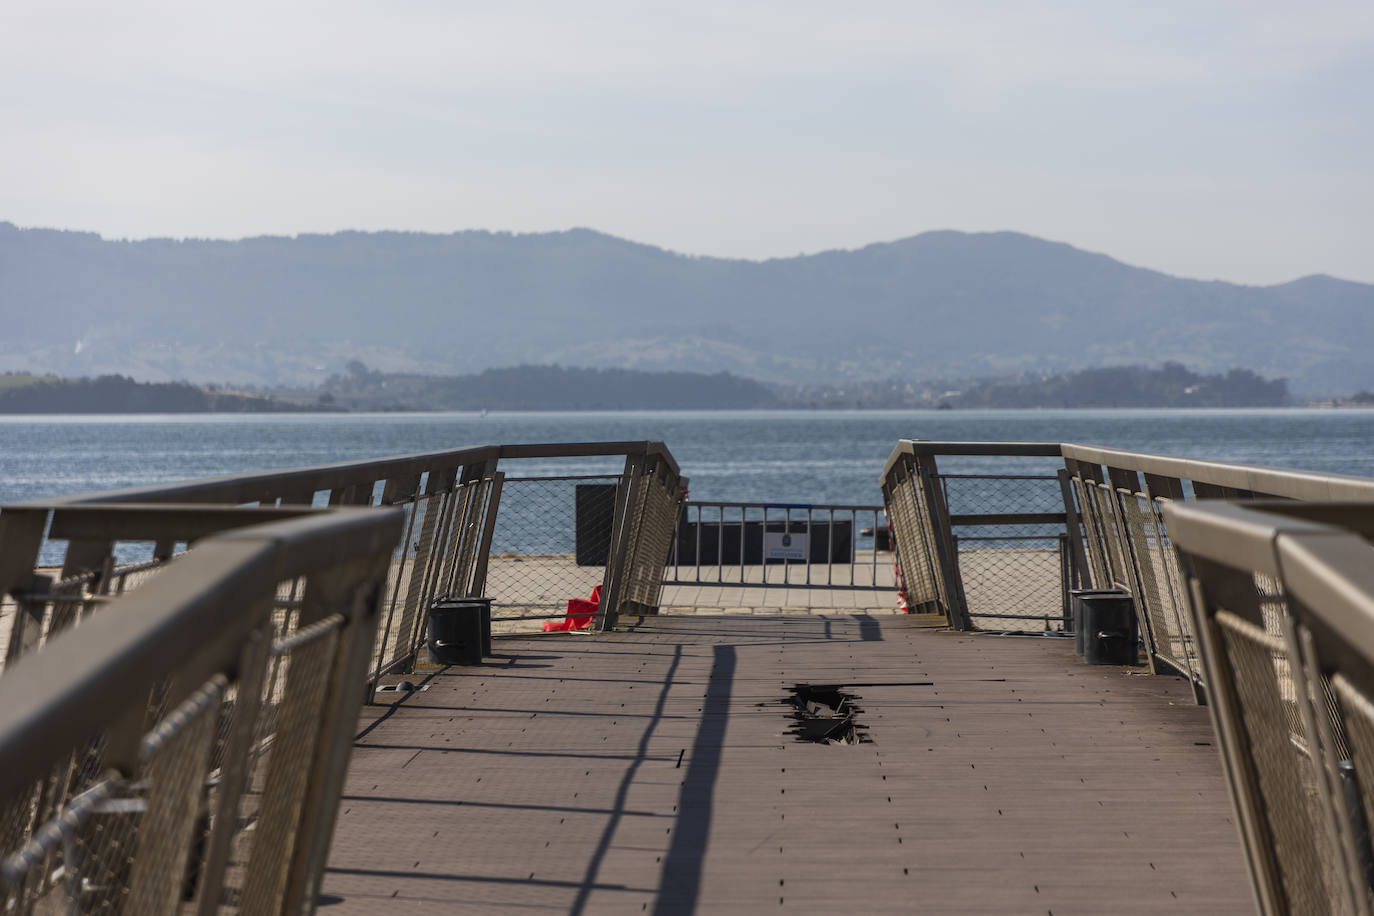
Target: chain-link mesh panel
<point x="658" y="502"/>
<point x="243" y="820"/>
<point x="1012" y="571"/>
<point x="1085" y="494"/>
<point x="1152" y="595"/>
<point x="1308" y="867"/>
<point x="114" y="845"/>
<point x="172" y="829"/>
<point x="909" y="521"/>
<point x="468" y="535"/>
<point x="17" y="814"/>
<point x="43" y="821"/>
<point x="1356" y="714"/>
<point x="26" y="627"/>
<point x="1166" y="560"/>
<point x="415" y="577"/>
<point x="1003" y="494"/>
<point x="551" y="544"/>
<point x="39" y="618"/>
<point x="387" y="648"/>
<point x="1115" y="548"/>
<point x="71" y="861"/>
<point x="283" y="771"/>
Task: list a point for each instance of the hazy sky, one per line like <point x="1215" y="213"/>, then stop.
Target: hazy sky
<point x="1206" y="139"/>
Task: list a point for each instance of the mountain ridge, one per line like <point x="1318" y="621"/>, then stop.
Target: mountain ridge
<point x="937" y="304"/>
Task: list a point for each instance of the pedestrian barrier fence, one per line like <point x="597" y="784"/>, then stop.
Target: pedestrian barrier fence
<point x="1282" y="594"/>
<point x="183" y="749"/>
<point x="157" y="640"/>
<point x="795" y="545"/>
<point x="1106" y="504"/>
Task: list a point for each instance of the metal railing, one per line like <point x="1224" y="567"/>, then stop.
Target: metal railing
<point x="1282" y="601"/>
<point x="158" y="640"/>
<point x="1107" y="503"/>
<point x="467" y="531"/>
<point x="990" y="547"/>
<point x="794" y="545"/>
<point x="183" y="750"/>
<point x="1122" y="497"/>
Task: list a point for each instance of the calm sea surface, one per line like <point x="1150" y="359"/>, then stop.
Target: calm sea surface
<point x="777" y="456"/>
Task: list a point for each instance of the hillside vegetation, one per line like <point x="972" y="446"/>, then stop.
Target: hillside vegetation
<point x="278" y="310"/>
<point x="117" y="394"/>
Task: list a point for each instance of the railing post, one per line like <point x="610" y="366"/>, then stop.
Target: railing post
<point x="21" y="539"/>
<point x="361" y="594"/>
<point x="945" y="549"/>
<point x="28" y="618"/>
<point x="1124" y="485"/>
<point x="414" y="610"/>
<point x="443" y="533"/>
<point x="1158" y="487"/>
<point x="1073" y="526"/>
<point x="1242" y="783"/>
<point x="238" y="746"/>
<point x="493" y="508"/>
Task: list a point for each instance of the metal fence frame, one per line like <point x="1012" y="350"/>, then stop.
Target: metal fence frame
<point x="451" y="500"/>
<point x="1282" y="598"/>
<point x="687" y="568"/>
<point x="923" y="528"/>
<point x="1122" y="497"/>
<point x="1114" y="502"/>
<point x="243" y="569"/>
<point x="154" y="707"/>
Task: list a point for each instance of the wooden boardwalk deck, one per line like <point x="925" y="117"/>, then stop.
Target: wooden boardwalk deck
<point x="651" y="771"/>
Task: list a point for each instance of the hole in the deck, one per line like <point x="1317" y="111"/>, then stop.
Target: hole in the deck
<point x="403" y="687"/>
<point x="825" y="714"/>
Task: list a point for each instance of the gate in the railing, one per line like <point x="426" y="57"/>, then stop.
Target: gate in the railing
<point x="792" y="545"/>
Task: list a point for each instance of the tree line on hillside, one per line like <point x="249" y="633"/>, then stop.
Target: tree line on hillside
<point x="543" y="388"/>
<point x="565" y="388"/>
<point x="1171" y="385"/>
<point x="120" y="394"/>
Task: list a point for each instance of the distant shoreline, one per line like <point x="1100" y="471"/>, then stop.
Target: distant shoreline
<point x="557" y="389"/>
<point x="310" y="412"/>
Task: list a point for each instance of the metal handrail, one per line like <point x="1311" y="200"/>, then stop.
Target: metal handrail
<point x="286" y="482"/>
<point x="1282" y="598"/>
<point x="194" y="608"/>
<point x="451" y="497"/>
<point x="127" y="744"/>
<point x="1117" y="533"/>
<point x="248" y="620"/>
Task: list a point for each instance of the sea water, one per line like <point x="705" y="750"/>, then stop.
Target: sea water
<point x="758" y="456"/>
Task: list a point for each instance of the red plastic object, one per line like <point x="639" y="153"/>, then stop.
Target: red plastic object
<point x="580" y="614"/>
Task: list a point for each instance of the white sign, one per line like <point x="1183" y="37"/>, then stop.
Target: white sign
<point x="779" y="546"/>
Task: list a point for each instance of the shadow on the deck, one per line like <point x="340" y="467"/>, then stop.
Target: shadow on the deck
<point x="651" y="771"/>
<point x="679" y="881"/>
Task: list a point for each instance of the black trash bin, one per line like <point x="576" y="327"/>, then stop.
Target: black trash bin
<point x="1109" y="630"/>
<point x="1076" y="597"/>
<point x="459" y="631"/>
